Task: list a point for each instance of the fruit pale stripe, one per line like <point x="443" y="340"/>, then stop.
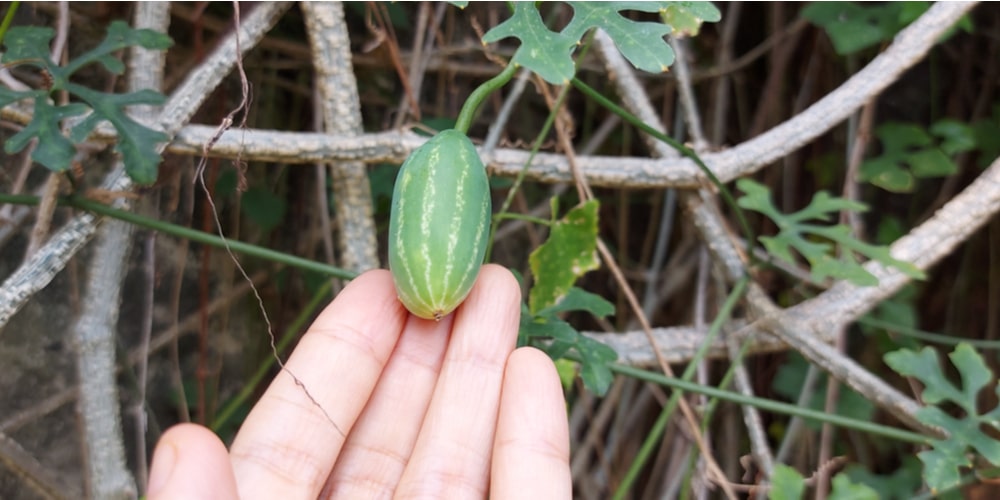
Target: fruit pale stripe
<point x="438" y="225"/>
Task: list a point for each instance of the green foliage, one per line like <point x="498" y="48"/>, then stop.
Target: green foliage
<point x="812" y="241"/>
<point x="137" y="143"/>
<point x="569" y="253"/>
<point x="898" y="311"/>
<point x="567" y="373"/>
<point x="686" y="17"/>
<point x="788" y="484"/>
<point x="550" y="54"/>
<point x="909" y="152"/>
<point x="853" y="27"/>
<point x="542" y="51"/>
<point x="942" y="463"/>
<point x="558" y="338"/>
<point x="987" y="136"/>
<point x="843" y="488"/>
<point x="641" y="43"/>
<point x="902" y="484"/>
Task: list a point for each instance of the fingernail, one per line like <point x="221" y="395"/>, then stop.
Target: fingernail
<point x="164" y="460"/>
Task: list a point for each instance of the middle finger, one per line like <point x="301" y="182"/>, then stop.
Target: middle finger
<point x="376" y="451"/>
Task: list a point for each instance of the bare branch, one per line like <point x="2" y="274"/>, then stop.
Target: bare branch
<point x="813" y="323"/>
<point x="94" y="335"/>
<point x="642" y="105"/>
<point x="910" y="46"/>
<point x="791" y="326"/>
<point x="331" y="52"/>
<point x="751" y="417"/>
<point x="108" y="475"/>
<point x="924" y="246"/>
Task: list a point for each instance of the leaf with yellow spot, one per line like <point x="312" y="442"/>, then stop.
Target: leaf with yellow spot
<point x="570" y="252"/>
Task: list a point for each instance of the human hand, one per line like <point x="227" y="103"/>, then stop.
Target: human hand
<point x="430" y="409"/>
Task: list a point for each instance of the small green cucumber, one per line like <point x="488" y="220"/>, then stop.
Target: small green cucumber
<point x="439" y="224"/>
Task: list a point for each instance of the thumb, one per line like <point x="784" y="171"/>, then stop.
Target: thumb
<point x="190" y="462"/>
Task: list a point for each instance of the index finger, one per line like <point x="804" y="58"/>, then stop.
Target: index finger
<point x="292" y="437"/>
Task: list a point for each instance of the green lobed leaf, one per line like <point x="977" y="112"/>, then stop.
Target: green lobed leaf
<point x="550" y="54"/>
<point x="924" y="365"/>
<point x="786" y="483"/>
<point x="853" y="27"/>
<point x="843" y="488"/>
<point x="757" y="197"/>
<point x="943" y="463"/>
<point x="557" y="349"/>
<point x="987" y="136"/>
<point x="119" y="36"/>
<point x="557" y="338"/>
<point x="594" y="371"/>
<point x="887" y="174"/>
<point x="136" y="142"/>
<point x="54" y="150"/>
<point x="815" y="242"/>
<point x="686" y="18"/>
<point x="823" y="207"/>
<point x="900" y="137"/>
<point x="931" y="162"/>
<point x="548" y="328"/>
<point x="567" y="373"/>
<point x="956" y="137"/>
<point x="28" y="45"/>
<point x="570" y="252"/>
<point x="842" y="235"/>
<point x="902" y="484"/>
<point x="941" y="467"/>
<point x="975" y="374"/>
<point x="964" y="432"/>
<point x="641" y="43"/>
<point x="910" y="152"/>
<point x="781" y="249"/>
<point x="845" y="268"/>
<point x="546" y="53"/>
<point x="8" y="96"/>
<point x="577" y="299"/>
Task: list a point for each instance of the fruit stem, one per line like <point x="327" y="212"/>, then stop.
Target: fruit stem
<point x="479" y="95"/>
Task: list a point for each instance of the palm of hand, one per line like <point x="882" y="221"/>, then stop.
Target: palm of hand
<point x="431" y="409"/>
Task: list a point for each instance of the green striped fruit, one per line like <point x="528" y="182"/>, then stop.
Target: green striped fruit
<point x="438" y="225"/>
